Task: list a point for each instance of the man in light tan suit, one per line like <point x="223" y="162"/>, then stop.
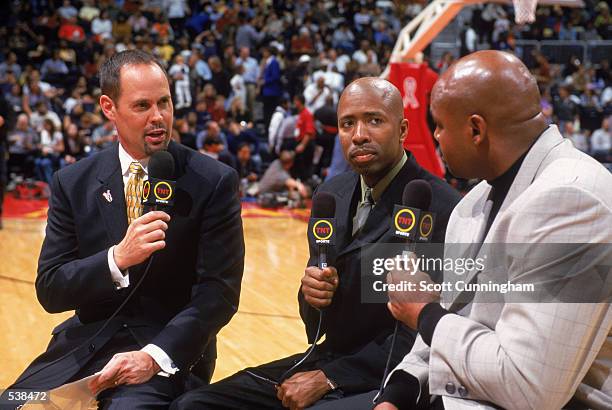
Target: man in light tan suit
<point x="537" y="189"/>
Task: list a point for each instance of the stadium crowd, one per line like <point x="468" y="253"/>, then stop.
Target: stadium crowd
<point x="255" y="83"/>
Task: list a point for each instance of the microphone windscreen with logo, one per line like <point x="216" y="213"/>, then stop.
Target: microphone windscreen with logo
<point x="323" y="205"/>
<point x="161" y="165"/>
<point x="417" y="194"/>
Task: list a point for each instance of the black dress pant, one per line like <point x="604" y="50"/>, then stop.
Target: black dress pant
<point x="252" y="391"/>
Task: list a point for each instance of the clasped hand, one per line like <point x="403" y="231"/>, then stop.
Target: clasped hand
<point x="319" y="286"/>
<point x="406" y="305"/>
<point x="125" y="368"/>
<point x="144" y="236"/>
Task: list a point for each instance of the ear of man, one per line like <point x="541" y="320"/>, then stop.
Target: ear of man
<point x="479" y="129"/>
<point x="108" y="107"/>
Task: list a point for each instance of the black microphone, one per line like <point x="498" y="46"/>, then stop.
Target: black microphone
<point x="321" y="227"/>
<point x="412" y="220"/>
<point x="158" y="191"/>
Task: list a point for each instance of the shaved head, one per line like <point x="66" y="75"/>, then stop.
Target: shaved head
<point x="487" y="110"/>
<point x="372" y="127"/>
<point x="494" y="84"/>
<point x="389" y="94"/>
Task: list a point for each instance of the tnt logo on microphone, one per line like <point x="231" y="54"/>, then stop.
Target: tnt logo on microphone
<point x="405" y="221"/>
<point x="321" y="231"/>
<point x="162" y="191"/>
<point x="426" y="226"/>
<point x="146" y="190"/>
<point x="158" y="192"/>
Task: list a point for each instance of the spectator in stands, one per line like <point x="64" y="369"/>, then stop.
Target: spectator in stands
<point x="239" y="86"/>
<point x="601" y="142"/>
<point x="33" y="98"/>
<point x="303" y="143"/>
<point x="220" y="79"/>
<point x="176" y="10"/>
<point x="179" y="72"/>
<point x="316" y="94"/>
<point x="212" y="130"/>
<point x="270" y="82"/>
<point x="247" y="35"/>
<point x="302" y="43"/>
<point x="361" y="55"/>
<point x="603" y="21"/>
<point x="467" y="40"/>
<point x="10" y="65"/>
<point x="247" y="169"/>
<point x="41" y="114"/>
<point x="50" y="146"/>
<point x="343" y="38"/>
<point x="22" y="146"/>
<point x="238" y="112"/>
<point x="102" y="27"/>
<point x="54" y="70"/>
<point x="250" y="75"/>
<point x="88" y="11"/>
<point x="67" y="11"/>
<point x="74" y="146"/>
<point x="280" y="113"/>
<point x="104" y="135"/>
<point x="565" y="107"/>
<point x="277" y="178"/>
<point x="71" y="31"/>
<point x="15" y="98"/>
<point x="213" y="147"/>
<point x="578" y="138"/>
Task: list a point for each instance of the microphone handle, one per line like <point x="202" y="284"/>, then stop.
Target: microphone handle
<point x="322" y="257"/>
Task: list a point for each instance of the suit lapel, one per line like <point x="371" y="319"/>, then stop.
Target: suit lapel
<point x="470" y="230"/>
<point x="110" y="194"/>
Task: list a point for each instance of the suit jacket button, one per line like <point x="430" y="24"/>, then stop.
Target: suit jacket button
<point x="125" y="325"/>
<point x="92" y="347"/>
<point x="450" y="388"/>
<point x="462" y="391"/>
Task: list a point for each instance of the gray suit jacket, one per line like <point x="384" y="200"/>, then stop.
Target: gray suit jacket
<point x="527" y="355"/>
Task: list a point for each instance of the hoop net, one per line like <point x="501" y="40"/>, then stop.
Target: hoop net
<point x="524" y="11"/>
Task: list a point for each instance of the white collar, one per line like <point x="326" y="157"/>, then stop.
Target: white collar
<point x="126" y="159"/>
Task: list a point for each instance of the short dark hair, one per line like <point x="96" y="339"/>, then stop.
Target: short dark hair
<point x="111" y="69"/>
<point x="300" y="98"/>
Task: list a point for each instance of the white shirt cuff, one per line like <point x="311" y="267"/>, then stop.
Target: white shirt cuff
<point x="162" y="359"/>
<point x="119" y="280"/>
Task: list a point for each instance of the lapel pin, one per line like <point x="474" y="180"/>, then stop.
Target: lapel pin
<point x="107" y="195"/>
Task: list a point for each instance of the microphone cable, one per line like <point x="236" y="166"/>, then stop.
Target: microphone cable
<point x="298" y="363"/>
<point x="104" y="326"/>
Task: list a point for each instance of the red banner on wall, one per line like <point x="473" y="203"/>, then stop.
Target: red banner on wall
<point x="415" y="82"/>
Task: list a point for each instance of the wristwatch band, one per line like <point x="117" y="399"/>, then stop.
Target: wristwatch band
<point x="332" y="384"/>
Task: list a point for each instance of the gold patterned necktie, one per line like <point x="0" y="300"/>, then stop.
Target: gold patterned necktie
<point x="133" y="193"/>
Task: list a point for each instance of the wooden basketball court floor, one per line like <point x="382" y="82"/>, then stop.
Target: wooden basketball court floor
<point x="266" y="327"/>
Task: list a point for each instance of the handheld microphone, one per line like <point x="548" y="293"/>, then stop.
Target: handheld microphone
<point x="158" y="191"/>
<point x="321" y="227"/>
<point x="412" y="221"/>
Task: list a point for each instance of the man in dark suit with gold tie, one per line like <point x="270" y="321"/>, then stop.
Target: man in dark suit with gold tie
<point x="97" y="246"/>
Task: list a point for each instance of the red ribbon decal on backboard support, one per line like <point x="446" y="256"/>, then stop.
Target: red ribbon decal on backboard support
<point x="415" y="82"/>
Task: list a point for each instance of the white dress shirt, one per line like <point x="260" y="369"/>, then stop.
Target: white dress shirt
<point x="161" y="358"/>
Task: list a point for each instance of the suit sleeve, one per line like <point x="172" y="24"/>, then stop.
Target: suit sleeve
<point x="65" y="281"/>
<point x="219" y="268"/>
